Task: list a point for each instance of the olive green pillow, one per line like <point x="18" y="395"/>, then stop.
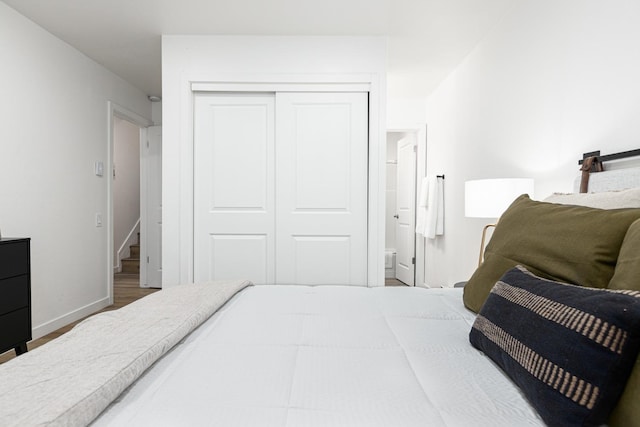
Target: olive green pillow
<point x="627" y="273"/>
<point x="571" y="244"/>
<point x="627" y="411"/>
<point x="627" y="276"/>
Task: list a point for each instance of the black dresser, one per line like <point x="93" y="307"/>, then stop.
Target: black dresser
<point x="15" y="295"/>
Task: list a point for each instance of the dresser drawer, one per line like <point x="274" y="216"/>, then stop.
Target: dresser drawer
<point x="14" y="258"/>
<point x="14" y="293"/>
<point x="15" y="329"/>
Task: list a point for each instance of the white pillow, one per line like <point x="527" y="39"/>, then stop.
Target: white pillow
<point x="605" y="200"/>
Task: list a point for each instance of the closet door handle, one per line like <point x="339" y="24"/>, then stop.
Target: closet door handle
<point x="396" y="216"/>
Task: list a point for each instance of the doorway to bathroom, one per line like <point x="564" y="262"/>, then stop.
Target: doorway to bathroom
<point x="400" y="217"/>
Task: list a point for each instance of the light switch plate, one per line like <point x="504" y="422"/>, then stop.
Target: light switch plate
<point x="98" y="168"/>
<point x="98" y="220"/>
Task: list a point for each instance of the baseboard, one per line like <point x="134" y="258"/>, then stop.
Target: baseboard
<point x="55" y="324"/>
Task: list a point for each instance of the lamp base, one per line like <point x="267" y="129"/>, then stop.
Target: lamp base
<point x="484" y="235"/>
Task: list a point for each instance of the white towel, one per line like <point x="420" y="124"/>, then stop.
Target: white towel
<point x="430" y="209"/>
<point x="440" y="207"/>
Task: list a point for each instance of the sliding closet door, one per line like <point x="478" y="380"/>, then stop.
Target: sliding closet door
<point x="234" y="187"/>
<point x="321" y="182"/>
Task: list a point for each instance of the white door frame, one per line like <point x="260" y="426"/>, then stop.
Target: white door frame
<point x="145" y="227"/>
<point x="115" y="110"/>
<point x="178" y="259"/>
<point x="420" y="132"/>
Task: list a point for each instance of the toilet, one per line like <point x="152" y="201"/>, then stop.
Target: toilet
<point x="389" y="263"/>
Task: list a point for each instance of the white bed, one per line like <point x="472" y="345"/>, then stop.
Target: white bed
<point x="327" y="356"/>
<point x="270" y="356"/>
<point x="229" y="354"/>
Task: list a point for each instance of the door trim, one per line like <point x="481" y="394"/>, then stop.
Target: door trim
<point x="145" y="162"/>
<point x="280" y="87"/>
<point x="115" y="110"/>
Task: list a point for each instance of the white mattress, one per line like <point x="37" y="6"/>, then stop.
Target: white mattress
<point x="327" y="356"/>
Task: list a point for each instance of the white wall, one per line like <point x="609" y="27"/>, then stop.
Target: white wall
<point x="187" y="59"/>
<point x="391" y="189"/>
<point x="405" y="113"/>
<point x="126" y="182"/>
<point x="54" y="127"/>
<point x="391" y="201"/>
<point x="551" y="81"/>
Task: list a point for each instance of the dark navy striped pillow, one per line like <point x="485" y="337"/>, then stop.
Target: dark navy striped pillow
<point x="570" y="349"/>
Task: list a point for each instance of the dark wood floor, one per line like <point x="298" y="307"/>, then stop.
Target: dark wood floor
<point x="393" y="282"/>
<point x="126" y="289"/>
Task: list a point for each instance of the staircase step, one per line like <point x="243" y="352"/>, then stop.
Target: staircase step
<point x="134" y="251"/>
<point x="131" y="265"/>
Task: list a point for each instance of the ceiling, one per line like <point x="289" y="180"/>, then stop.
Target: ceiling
<point x="426" y="38"/>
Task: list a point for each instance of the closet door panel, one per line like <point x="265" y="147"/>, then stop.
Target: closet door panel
<point x="234" y="187"/>
<point x="238" y="256"/>
<point x="321" y="259"/>
<point x="321" y="181"/>
<point x="322" y="157"/>
<point x="239" y="157"/>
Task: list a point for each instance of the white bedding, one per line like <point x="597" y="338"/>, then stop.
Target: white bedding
<point x="327" y="356"/>
<point x="72" y="379"/>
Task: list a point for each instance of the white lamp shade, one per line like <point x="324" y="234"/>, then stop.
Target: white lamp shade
<point x="489" y="198"/>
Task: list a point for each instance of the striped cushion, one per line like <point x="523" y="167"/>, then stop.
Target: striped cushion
<point x="570" y="349"/>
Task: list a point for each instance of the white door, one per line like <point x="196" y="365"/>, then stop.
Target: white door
<point x="280" y="187"/>
<point x="321" y="181"/>
<point x="151" y="218"/>
<point x="405" y="208"/>
<point x="234" y="187"/>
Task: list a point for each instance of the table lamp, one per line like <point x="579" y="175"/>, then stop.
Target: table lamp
<point x="489" y="198"/>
